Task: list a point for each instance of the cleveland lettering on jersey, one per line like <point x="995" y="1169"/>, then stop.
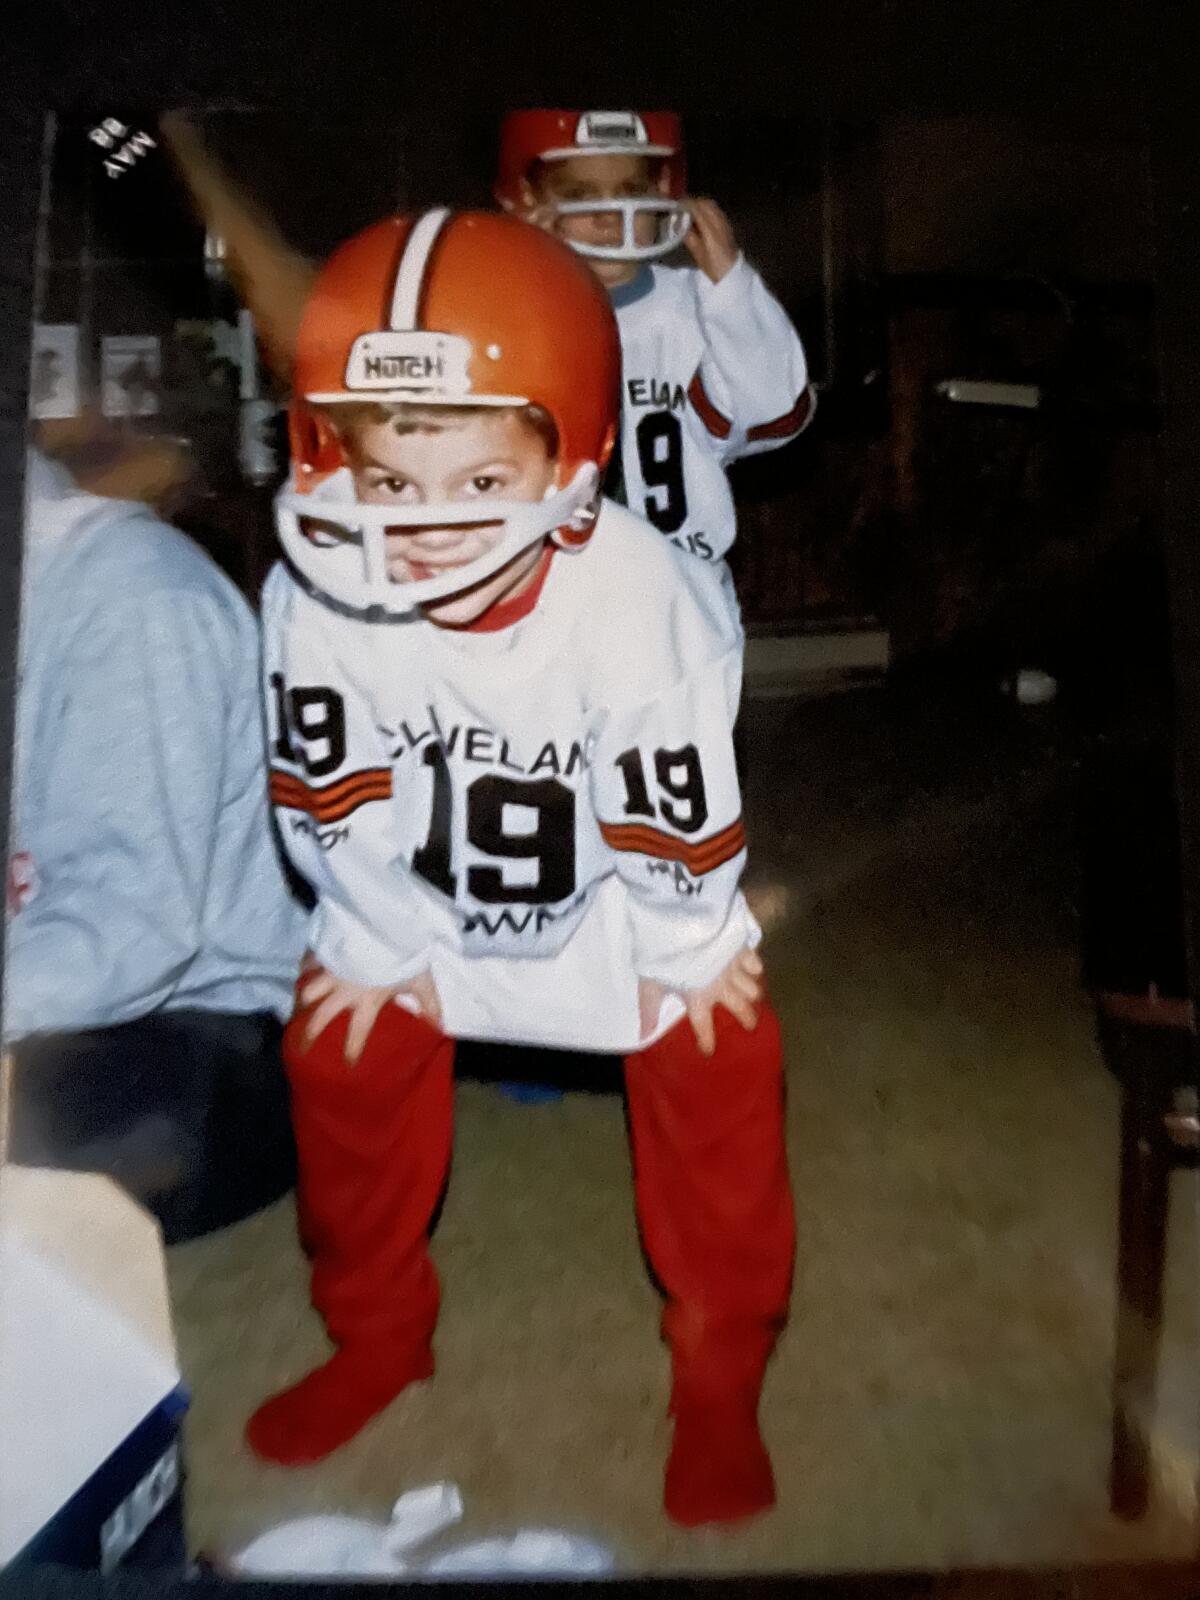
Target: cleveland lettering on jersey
<point x="656" y="392"/>
<point x="486" y="747"/>
<point x="712" y="373"/>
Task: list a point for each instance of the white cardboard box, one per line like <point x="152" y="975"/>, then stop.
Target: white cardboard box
<point x="87" y="1350"/>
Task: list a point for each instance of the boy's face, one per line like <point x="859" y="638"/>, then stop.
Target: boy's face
<point x="600" y="178"/>
<point x="472" y="459"/>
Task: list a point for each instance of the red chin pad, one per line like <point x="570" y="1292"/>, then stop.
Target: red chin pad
<point x="315" y="447"/>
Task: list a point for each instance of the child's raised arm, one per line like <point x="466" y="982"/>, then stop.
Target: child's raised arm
<point x="752" y="388"/>
<point x="272" y="278"/>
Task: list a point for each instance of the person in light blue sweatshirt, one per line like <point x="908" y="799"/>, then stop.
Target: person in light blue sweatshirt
<point x="153" y="942"/>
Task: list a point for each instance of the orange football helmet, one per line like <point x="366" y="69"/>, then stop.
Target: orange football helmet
<point x="446" y="308"/>
<point x="530" y="136"/>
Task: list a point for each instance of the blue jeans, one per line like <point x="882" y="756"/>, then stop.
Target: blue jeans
<point x="187" y="1109"/>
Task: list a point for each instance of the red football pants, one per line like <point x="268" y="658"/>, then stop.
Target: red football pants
<point x="713" y="1197"/>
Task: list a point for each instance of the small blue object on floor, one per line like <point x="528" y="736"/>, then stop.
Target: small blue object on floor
<point x="530" y="1094"/>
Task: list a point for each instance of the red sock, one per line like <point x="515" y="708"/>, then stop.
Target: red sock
<point x="325" y="1410"/>
<point x="718" y="1469"/>
<point x="715" y="1207"/>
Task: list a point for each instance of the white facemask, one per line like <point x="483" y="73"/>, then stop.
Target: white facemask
<point x="676" y="221"/>
<point x="350" y="565"/>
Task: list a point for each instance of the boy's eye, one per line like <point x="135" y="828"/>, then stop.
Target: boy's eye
<point x="484" y="483"/>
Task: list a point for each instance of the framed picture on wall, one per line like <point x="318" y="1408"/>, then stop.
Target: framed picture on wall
<point x="54" y="372"/>
<point x="130" y="368"/>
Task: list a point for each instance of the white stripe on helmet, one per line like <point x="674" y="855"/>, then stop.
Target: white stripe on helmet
<point x="410" y="275"/>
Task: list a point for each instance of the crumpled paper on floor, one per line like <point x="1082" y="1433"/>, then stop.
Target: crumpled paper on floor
<point x="354" y="1547"/>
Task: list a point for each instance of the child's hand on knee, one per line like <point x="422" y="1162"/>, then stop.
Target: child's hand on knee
<point x="738" y="987"/>
<point x="330" y="996"/>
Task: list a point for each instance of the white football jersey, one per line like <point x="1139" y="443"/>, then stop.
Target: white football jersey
<point x="538" y="815"/>
<point x="711" y="372"/>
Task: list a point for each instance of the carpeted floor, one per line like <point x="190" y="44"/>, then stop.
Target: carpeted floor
<point x="941" y="1397"/>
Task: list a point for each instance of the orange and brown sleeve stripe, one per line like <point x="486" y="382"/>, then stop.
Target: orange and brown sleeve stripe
<point x="719" y="426"/>
<point x="791" y="422"/>
<point x="337" y="800"/>
<point x="699" y="857"/>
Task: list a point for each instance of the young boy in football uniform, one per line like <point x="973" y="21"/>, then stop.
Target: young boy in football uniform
<point x="713" y="368"/>
<point x="501" y="754"/>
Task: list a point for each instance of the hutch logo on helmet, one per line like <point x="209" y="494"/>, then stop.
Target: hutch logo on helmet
<point x="415" y="362"/>
<point x="611" y="127"/>
<point x="407" y="369"/>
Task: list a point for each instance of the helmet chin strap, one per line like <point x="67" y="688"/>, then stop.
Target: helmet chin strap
<point x="352" y="569"/>
<point x="678" y="221"/>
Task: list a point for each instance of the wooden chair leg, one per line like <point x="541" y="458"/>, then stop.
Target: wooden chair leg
<point x="1145" y="1167"/>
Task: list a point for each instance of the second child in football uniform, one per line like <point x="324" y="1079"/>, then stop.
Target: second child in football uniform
<point x="713" y="369"/>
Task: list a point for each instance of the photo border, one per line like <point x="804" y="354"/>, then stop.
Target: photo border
<point x="1131" y="65"/>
